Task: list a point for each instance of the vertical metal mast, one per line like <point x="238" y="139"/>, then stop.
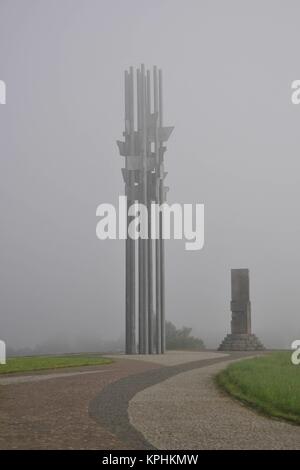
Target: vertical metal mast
<point x="145" y="202"/>
<point x="140" y="199"/>
<point x="157" y="200"/>
<point x="149" y="205"/>
<point x="130" y="244"/>
<point x="144" y="175"/>
<point x="162" y="198"/>
<point x="127" y="254"/>
<point x="131" y="313"/>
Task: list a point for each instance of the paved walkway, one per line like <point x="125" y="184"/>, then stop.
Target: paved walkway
<point x="53" y="413"/>
<point x="110" y="406"/>
<point x="188" y="412"/>
<point x="174" y="358"/>
<point x="54" y="409"/>
<point x="9" y="380"/>
<point x="169" y="403"/>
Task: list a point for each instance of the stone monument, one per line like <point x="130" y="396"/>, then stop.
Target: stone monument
<point x="241" y="338"/>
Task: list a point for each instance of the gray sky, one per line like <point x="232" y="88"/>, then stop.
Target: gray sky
<point x="228" y="67"/>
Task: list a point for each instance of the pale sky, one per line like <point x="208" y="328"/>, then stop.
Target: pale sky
<point x="228" y="68"/>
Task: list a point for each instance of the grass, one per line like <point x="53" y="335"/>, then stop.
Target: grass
<point x="270" y="384"/>
<point x="35" y="363"/>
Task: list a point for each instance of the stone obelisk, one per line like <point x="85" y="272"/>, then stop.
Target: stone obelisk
<point x="241" y="338"/>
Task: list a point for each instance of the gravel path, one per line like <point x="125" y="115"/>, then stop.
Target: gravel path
<point x="53" y="414"/>
<point x="9" y="380"/>
<point x="52" y="409"/>
<point x="110" y="406"/>
<point x="174" y="358"/>
<point x="186" y="411"/>
<point x="87" y="408"/>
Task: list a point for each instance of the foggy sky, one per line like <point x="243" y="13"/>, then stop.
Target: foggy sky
<point x="228" y="67"/>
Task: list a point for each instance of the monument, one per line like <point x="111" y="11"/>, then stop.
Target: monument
<point x="143" y="148"/>
<point x="241" y="338"/>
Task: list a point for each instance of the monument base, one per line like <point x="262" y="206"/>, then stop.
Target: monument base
<point x="241" y="342"/>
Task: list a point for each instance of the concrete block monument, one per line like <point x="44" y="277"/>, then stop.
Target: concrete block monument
<point x="241" y="338"/>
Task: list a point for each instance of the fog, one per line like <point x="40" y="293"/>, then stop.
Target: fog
<point x="228" y="68"/>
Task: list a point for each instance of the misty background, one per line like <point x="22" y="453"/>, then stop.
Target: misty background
<point x="228" y="68"/>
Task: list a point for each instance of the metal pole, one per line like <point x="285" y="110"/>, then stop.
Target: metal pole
<point x="143" y="175"/>
<point x="157" y="200"/>
<point x="140" y="242"/>
<point x="145" y="202"/>
<point x="127" y="249"/>
<point x="162" y="197"/>
<point x="132" y="242"/>
<point x="149" y="203"/>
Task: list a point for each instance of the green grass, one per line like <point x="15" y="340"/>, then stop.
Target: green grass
<point x="26" y="364"/>
<point x="270" y="384"/>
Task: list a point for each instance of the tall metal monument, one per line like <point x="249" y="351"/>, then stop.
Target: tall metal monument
<point x="143" y="148"/>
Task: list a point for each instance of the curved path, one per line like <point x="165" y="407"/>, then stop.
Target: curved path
<point x="187" y="411"/>
<point x="110" y="407"/>
<point x="49" y="409"/>
<point x="165" y="402"/>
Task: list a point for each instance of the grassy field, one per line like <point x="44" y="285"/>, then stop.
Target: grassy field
<point x="271" y="384"/>
<point x="26" y="364"/>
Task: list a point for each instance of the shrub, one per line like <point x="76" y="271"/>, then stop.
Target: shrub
<point x="181" y="338"/>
